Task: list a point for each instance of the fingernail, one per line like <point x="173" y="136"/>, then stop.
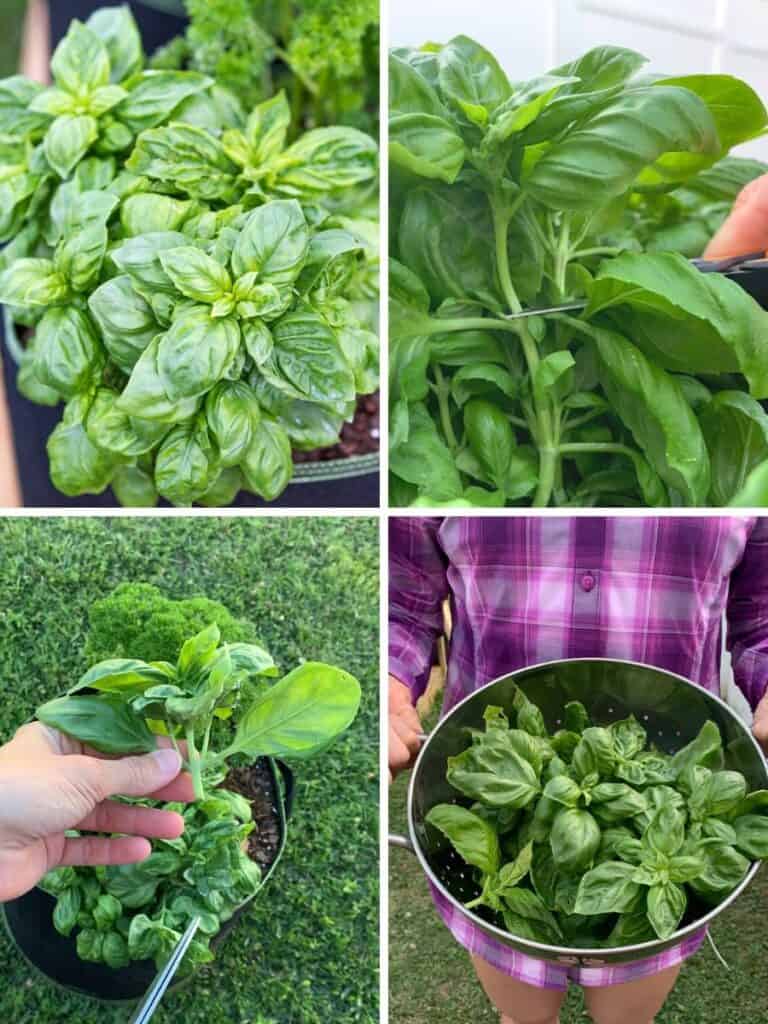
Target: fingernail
<point x="168" y="761"/>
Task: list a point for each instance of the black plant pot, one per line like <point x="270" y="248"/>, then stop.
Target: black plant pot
<point x="29" y="921"/>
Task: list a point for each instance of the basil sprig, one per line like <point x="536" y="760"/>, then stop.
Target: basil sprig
<point x="139" y="911"/>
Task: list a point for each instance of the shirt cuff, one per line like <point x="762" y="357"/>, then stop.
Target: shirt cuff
<point x="750" y="671"/>
<point x="410" y="658"/>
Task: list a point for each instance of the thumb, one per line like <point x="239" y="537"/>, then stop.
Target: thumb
<point x="133" y="776"/>
<point x="760" y="723"/>
<point x="746" y="227"/>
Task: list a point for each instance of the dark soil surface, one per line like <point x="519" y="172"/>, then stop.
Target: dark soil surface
<point x="255" y="783"/>
<point x="360" y="437"/>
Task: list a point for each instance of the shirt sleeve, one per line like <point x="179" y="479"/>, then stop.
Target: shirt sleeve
<point x="747" y="615"/>
<point x="417" y="587"/>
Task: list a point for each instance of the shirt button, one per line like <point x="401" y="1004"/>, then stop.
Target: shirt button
<point x="587" y="581"/>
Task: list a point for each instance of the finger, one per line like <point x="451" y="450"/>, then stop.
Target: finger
<point x="746" y="228"/>
<point x="399" y="755"/>
<point x="406" y="735"/>
<point x="127" y="776"/>
<point x="133" y="821"/>
<point x="93" y="850"/>
<point x="163" y="743"/>
<point x="760" y="723"/>
<point x="181" y="790"/>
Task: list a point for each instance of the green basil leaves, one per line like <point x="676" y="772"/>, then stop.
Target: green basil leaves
<point x="591" y="186"/>
<point x="564" y="851"/>
<point x="201" y="279"/>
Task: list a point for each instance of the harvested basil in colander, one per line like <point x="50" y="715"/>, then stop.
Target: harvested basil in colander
<point x="591" y="837"/>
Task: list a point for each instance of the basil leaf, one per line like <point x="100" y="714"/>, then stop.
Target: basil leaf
<point x="471" y="79"/>
<point x="444" y="238"/>
<point x="32" y="282"/>
<point x="140" y="259"/>
<point x="117" y="29"/>
<point x="651" y="404"/>
<point x="195" y="353"/>
<point x="426" y="145"/>
<point x="67" y="351"/>
<point x="307" y="362"/>
<point x="474" y="839"/>
<point x="103" y="722"/>
<point x="274" y="242"/>
<point x="494" y="775"/>
<point x="110" y="427"/>
<point x="154" y="95"/>
<point x="186" y="463"/>
<point x="267" y="466"/>
<point x="267" y="128"/>
<point x="77" y="465"/>
<point x="574" y="839"/>
<point x="666" y="906"/>
<point x="145" y="213"/>
<point x="752" y="835"/>
<point x="17" y="94"/>
<point x="609" y="148"/>
<point x="134" y="487"/>
<point x="683" y="319"/>
<point x="195" y="275"/>
<point x="145" y="395"/>
<point x="189" y="157"/>
<point x="80" y="63"/>
<point x="300" y="714"/>
<point x="233" y="415"/>
<point x="68" y="140"/>
<point x="326" y="160"/>
<point x="66" y="911"/>
<point x="607" y="889"/>
<point x="733" y="422"/>
<point x="125" y="320"/>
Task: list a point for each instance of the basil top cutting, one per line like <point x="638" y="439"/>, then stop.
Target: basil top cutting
<point x="591" y="182"/>
<point x="591" y="837"/>
<point x="201" y="283"/>
<point x="223" y="702"/>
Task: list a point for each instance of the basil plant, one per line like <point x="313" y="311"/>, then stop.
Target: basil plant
<point x="591" y="837"/>
<point x="199" y="289"/>
<point x="216" y="704"/>
<point x="585" y="187"/>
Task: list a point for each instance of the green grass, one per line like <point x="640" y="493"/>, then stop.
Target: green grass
<point x="11" y="21"/>
<point x="431" y="978"/>
<point x="308" y="950"/>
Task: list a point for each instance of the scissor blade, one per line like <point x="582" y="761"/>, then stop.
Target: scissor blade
<point x="156" y="991"/>
<point x="749" y="261"/>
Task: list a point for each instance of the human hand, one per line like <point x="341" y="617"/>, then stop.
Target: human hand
<point x="49" y="783"/>
<point x="746" y="227"/>
<point x="404" y="728"/>
<point x="760" y="724"/>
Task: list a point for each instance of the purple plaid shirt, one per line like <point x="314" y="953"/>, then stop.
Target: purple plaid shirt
<point x="525" y="590"/>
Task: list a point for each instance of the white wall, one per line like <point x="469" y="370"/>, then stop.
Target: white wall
<point x="530" y="36"/>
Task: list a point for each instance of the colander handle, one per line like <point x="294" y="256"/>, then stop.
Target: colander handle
<point x="402" y="841"/>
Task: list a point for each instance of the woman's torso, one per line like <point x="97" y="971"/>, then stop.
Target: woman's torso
<point x="528" y="590"/>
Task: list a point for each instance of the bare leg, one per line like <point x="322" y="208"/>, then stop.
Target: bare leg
<point x="517" y="1002"/>
<point x="635" y="1002"/>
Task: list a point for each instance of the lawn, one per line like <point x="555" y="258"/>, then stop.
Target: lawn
<point x="11" y="18"/>
<point x="308" y="950"/>
<point x="431" y="979"/>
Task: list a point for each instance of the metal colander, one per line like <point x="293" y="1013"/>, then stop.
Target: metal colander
<point x="671" y="709"/>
